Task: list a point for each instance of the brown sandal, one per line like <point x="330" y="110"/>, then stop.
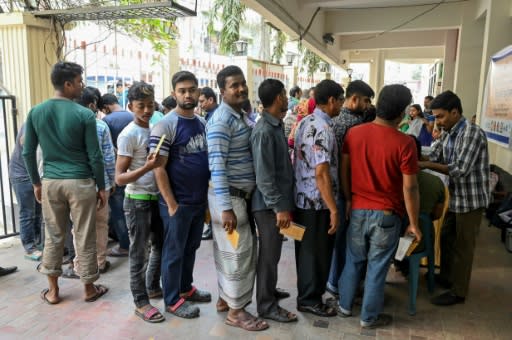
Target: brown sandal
<point x="252" y="323"/>
<point x="221" y="306"/>
<point x="100" y="291"/>
<point x="43" y="296"/>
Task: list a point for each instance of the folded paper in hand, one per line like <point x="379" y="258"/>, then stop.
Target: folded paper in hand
<point x="295" y="231"/>
<point x="233" y="238"/>
<point x="406" y="246"/>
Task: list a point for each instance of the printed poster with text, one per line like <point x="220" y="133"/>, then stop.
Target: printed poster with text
<point x="497" y="103"/>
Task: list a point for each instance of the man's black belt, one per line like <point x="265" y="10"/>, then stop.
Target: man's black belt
<point x="240" y="193"/>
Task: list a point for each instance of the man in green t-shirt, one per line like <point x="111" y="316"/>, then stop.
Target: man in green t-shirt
<point x="72" y="169"/>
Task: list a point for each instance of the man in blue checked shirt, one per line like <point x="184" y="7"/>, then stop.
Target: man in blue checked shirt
<point x="462" y="155"/>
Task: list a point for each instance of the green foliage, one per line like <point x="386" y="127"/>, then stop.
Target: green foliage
<point x="278" y="51"/>
<point x="311" y="61"/>
<point x="417" y="72"/>
<point x="231" y="15"/>
<point x="162" y="34"/>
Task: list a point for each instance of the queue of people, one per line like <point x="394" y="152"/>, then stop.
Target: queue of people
<point x="159" y="178"/>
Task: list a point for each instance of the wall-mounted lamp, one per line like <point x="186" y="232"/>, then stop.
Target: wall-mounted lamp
<point x="349" y="72"/>
<point x="240" y="47"/>
<point x="323" y="66"/>
<point x="328" y="38"/>
<point x="290" y="57"/>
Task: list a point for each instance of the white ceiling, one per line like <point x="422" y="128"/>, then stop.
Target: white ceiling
<point x="361" y="4"/>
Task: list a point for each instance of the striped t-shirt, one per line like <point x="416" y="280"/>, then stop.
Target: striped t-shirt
<point x="229" y="153"/>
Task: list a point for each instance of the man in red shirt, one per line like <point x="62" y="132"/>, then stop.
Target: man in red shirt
<point x="380" y="186"/>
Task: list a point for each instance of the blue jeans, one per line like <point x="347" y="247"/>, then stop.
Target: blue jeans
<point x="182" y="237"/>
<point x="30" y="215"/>
<point x="340" y="243"/>
<point x="145" y="227"/>
<point x="371" y="236"/>
<point x="117" y="221"/>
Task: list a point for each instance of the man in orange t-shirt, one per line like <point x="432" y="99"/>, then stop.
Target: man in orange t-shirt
<point x="378" y="178"/>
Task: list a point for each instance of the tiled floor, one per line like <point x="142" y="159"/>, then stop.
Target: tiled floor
<point x="487" y="313"/>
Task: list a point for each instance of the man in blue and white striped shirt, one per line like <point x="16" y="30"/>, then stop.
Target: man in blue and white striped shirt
<point x="233" y="180"/>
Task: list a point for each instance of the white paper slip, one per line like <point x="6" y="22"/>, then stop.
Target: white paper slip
<point x="403" y="246"/>
<point x="506" y="216"/>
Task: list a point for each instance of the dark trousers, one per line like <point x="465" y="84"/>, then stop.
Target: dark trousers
<point x="145" y="229"/>
<point x="117" y="220"/>
<point x="313" y="255"/>
<point x="182" y="237"/>
<point x="270" y="243"/>
<point x="340" y="245"/>
<point x="30" y="215"/>
<point x="458" y="240"/>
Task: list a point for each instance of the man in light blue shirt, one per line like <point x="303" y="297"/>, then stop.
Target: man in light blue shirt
<point x="233" y="180"/>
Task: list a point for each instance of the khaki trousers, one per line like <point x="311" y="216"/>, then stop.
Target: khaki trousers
<point x="60" y="199"/>
<point x="458" y="240"/>
<point x="101" y="236"/>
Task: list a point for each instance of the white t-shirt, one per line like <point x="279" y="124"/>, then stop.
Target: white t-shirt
<point x="133" y="142"/>
<point x="415" y="126"/>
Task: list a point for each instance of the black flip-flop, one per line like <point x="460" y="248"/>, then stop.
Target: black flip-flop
<point x="319" y="309"/>
<point x="281" y="315"/>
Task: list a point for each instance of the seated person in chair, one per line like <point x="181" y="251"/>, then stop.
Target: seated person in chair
<point x="432" y="197"/>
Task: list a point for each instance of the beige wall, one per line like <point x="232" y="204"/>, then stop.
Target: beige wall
<point x="27" y="57"/>
<point x="500" y="156"/>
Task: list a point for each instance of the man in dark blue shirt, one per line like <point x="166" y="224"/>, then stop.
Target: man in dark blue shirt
<point x="117" y="119"/>
<point x="208" y="102"/>
<point x="30" y="209"/>
<point x="183" y="184"/>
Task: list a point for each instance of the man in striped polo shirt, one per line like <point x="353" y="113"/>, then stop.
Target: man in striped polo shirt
<point x="233" y="180"/>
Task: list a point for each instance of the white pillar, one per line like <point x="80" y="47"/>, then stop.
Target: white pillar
<point x="291" y="73"/>
<point x="170" y="66"/>
<point x="450" y="55"/>
<point x="469" y="59"/>
<point x="377" y="69"/>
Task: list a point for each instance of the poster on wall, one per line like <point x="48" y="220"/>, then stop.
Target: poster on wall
<point x="497" y="103"/>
